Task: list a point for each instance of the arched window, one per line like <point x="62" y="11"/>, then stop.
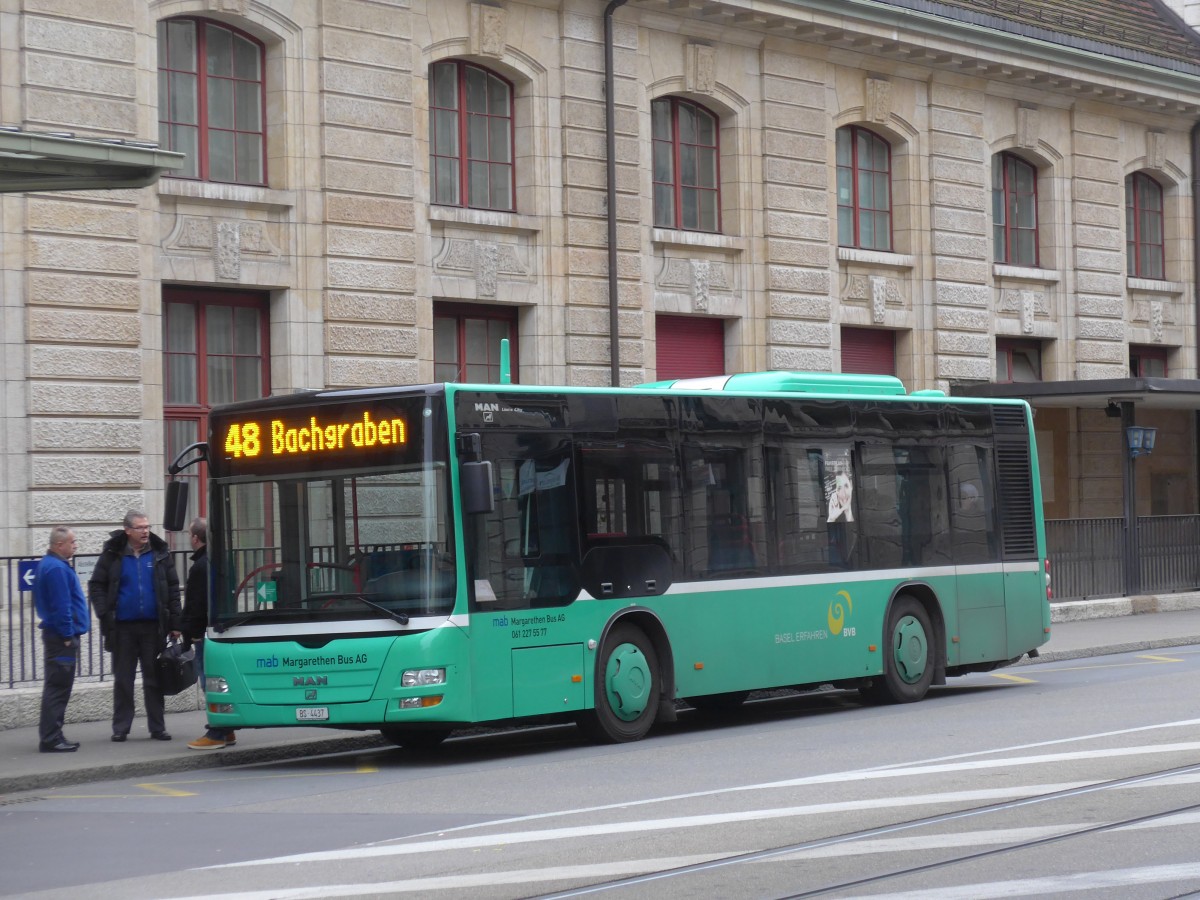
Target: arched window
<point x="687" y="191"/>
<point x="1144" y="227"/>
<point x="471" y="137"/>
<point x="864" y="189"/>
<point x="211" y="100"/>
<point x="1014" y="211"/>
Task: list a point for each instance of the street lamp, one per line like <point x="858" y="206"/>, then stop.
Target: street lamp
<point x="1140" y="440"/>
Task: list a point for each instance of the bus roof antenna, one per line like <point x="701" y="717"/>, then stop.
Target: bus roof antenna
<point x="505" y="369"/>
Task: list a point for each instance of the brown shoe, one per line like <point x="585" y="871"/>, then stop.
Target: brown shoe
<point x="207" y="743"/>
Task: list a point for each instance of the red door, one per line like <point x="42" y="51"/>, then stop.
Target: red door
<point x="689" y="347"/>
<point x="868" y="351"/>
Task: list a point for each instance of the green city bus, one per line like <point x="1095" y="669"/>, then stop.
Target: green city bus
<point x="424" y="558"/>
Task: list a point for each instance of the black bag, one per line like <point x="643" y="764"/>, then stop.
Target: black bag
<point x="176" y="668"/>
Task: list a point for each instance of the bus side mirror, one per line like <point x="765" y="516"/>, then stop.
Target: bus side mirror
<point x="477" y="487"/>
<point x="176" y="507"/>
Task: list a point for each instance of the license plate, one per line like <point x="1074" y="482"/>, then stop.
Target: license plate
<point x="312" y="714"/>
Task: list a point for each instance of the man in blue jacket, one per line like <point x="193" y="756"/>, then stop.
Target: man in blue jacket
<point x="62" y="608"/>
<point x="134" y="591"/>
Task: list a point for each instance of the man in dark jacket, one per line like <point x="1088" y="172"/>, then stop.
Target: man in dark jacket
<point x="134" y="591"/>
<point x="195" y="623"/>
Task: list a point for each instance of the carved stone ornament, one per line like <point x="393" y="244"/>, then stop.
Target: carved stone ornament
<point x="1027" y="305"/>
<point x="227" y="251"/>
<point x="488" y="262"/>
<point x="700" y="295"/>
<point x="236" y="7"/>
<point x="1156" y="149"/>
<point x="192" y="233"/>
<point x="878" y="291"/>
<point x="878" y="100"/>
<point x="700" y="69"/>
<point x="489" y="30"/>
<point x="1027" y="127"/>
<point x="701" y="279"/>
<point x="1156" y="321"/>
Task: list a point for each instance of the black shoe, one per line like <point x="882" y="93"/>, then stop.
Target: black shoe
<point x="59" y="747"/>
<point x="160" y="736"/>
<point x="118" y="738"/>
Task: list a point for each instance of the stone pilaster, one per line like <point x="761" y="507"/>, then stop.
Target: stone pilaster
<point x="797" y="230"/>
<point x="959" y="168"/>
<point x="588" y="359"/>
<point x="1098" y="194"/>
<point x="368" y="242"/>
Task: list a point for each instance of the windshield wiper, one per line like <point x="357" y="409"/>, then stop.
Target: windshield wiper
<point x="391" y="614"/>
<point x="233" y="623"/>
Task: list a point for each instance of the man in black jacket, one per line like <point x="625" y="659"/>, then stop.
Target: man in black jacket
<point x="195" y="623"/>
<point x="134" y="591"/>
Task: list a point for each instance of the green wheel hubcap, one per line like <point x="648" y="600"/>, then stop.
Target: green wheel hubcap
<point x="910" y="650"/>
<point x="627" y="682"/>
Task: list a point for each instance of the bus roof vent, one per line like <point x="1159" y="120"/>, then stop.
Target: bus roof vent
<point x="815" y="383"/>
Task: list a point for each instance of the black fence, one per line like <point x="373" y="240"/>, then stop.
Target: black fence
<point x="20" y="641"/>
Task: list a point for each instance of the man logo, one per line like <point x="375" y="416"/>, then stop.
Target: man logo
<point x="310" y="695"/>
<point x="307" y="680"/>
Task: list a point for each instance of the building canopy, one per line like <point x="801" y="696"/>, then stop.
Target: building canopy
<point x="1145" y="393"/>
<point x="32" y="161"/>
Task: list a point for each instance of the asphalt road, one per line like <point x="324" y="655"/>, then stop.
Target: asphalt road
<point x="1071" y="778"/>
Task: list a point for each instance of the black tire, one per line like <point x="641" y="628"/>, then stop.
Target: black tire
<point x="415" y="738"/>
<point x="719" y="704"/>
<point x="628" y="688"/>
<point x="909" y="655"/>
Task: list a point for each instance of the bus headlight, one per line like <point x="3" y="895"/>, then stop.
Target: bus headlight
<point x="216" y="685"/>
<point x="421" y="677"/>
<point x="220" y="707"/>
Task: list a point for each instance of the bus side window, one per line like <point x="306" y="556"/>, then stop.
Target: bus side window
<point x="972" y="510"/>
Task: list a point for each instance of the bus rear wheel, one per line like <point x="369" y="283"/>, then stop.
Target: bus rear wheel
<point x="628" y="687"/>
<point x="414" y="738"/>
<point x="908" y="655"/>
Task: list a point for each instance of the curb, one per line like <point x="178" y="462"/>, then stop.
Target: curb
<point x="171" y="764"/>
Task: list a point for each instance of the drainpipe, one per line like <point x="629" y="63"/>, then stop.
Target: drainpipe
<point x="1195" y="148"/>
<point x="610" y="144"/>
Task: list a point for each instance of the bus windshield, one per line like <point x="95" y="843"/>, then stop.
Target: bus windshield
<point x="314" y="548"/>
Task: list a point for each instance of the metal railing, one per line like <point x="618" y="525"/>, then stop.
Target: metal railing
<point x="20" y="640"/>
<point x="1087" y="556"/>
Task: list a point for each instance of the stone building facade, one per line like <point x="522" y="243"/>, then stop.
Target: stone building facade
<point x="342" y="250"/>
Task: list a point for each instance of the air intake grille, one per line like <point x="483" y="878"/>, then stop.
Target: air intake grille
<point x="1015" y="483"/>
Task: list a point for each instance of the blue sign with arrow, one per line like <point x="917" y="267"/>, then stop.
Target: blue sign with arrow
<point x="25" y="573"/>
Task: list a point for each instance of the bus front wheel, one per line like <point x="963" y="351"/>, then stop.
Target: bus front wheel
<point x="908" y="655"/>
<point x="628" y="687"/>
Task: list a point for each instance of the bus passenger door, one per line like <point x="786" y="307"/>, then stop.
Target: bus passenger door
<point x="980" y="578"/>
<point x="524" y="563"/>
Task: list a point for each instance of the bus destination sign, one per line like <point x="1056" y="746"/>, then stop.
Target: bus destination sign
<point x="251" y="439"/>
<point x="317" y="436"/>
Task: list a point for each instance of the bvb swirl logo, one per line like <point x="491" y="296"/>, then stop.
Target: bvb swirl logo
<point x="838" y="612"/>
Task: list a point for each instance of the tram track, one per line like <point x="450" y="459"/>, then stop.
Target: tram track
<point x="909" y="825"/>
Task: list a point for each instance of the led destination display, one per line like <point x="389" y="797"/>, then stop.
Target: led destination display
<point x="247" y="438"/>
<point x="316" y="436"/>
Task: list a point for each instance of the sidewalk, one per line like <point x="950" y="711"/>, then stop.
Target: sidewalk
<point x="1089" y="628"/>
